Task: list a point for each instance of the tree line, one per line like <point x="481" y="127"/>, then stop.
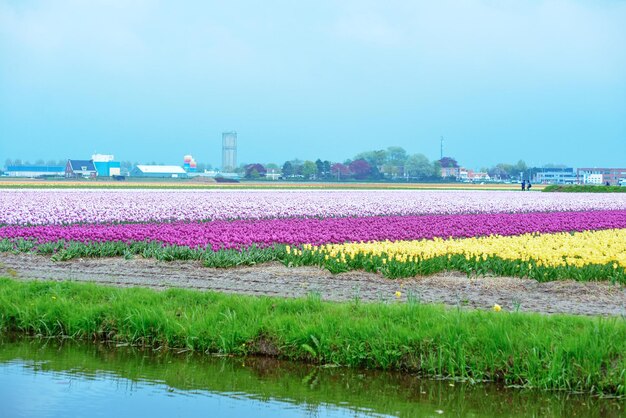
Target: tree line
<point x="391" y="163"/>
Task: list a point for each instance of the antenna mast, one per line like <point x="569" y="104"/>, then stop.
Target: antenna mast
<point x="441" y="152"/>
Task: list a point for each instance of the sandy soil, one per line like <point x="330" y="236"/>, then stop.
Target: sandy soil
<point x="453" y="289"/>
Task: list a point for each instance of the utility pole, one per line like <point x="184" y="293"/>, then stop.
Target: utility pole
<point x="441" y="151"/>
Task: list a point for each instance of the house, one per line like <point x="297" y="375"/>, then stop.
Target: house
<point x="468" y="176"/>
<point x="159" y="171"/>
<point x="450" y="172"/>
<point x="35" y="171"/>
<point x="80" y="168"/>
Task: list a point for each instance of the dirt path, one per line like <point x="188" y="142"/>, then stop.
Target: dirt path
<point x="274" y="279"/>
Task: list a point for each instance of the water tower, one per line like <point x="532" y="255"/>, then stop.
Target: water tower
<point x="229" y="151"/>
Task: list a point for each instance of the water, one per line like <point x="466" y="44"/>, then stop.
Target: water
<point x="52" y="379"/>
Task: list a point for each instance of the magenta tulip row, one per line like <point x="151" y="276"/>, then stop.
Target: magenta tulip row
<point x="243" y="233"/>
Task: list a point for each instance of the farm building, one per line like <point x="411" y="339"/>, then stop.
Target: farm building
<point x="159" y="171"/>
<point x="108" y="168"/>
<point x="35" y="171"/>
<point x="80" y="168"/>
<point x="105" y="166"/>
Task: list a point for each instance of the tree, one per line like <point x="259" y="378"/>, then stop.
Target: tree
<point x="437" y="169"/>
<point x="497" y="173"/>
<point x="327" y="166"/>
<point x="339" y="171"/>
<point x="52" y="163"/>
<point x="309" y="169"/>
<point x="8" y="162"/>
<point x="287" y="169"/>
<point x="379" y="158"/>
<point x="448" y="162"/>
<point x="396" y="159"/>
<point x="520" y="167"/>
<point x="393" y="170"/>
<point x="40" y="162"/>
<point x="254" y="171"/>
<point x="375" y="173"/>
<point x="502" y="171"/>
<point x="418" y="166"/>
<point x="360" y="168"/>
<point x="296" y="165"/>
<point x="396" y="154"/>
<point x="319" y="165"/>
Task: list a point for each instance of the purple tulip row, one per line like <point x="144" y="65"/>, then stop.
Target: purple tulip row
<point x="243" y="233"/>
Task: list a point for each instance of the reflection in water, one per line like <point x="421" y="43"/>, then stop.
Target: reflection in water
<point x="39" y="378"/>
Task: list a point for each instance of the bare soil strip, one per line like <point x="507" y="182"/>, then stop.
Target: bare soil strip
<point x="274" y="279"/>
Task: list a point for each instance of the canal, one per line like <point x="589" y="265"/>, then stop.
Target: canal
<point x="50" y="378"/>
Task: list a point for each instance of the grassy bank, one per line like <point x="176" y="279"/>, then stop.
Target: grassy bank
<point x="385" y="264"/>
<point x="584" y="188"/>
<point x="547" y="352"/>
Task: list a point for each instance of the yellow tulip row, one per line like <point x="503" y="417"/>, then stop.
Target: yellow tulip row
<point x="579" y="249"/>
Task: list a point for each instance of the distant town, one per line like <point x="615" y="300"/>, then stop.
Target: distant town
<point x="391" y="164"/>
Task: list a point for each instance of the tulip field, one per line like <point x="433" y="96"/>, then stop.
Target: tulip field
<point x="392" y="233"/>
<point x="398" y="233"/>
<point x="69" y="206"/>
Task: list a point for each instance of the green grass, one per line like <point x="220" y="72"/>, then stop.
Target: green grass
<point x="588" y="188"/>
<point x="548" y="352"/>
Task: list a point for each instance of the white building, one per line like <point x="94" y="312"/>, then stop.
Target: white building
<point x="555" y="176"/>
<point x="593" y="179"/>
<point x="159" y="171"/>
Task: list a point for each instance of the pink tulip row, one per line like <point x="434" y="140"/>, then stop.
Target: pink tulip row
<point x="243" y="233"/>
<point x="48" y="206"/>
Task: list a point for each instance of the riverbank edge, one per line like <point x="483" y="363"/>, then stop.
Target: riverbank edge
<point x="555" y="352"/>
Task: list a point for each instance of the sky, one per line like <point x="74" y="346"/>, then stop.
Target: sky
<point x="500" y="81"/>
